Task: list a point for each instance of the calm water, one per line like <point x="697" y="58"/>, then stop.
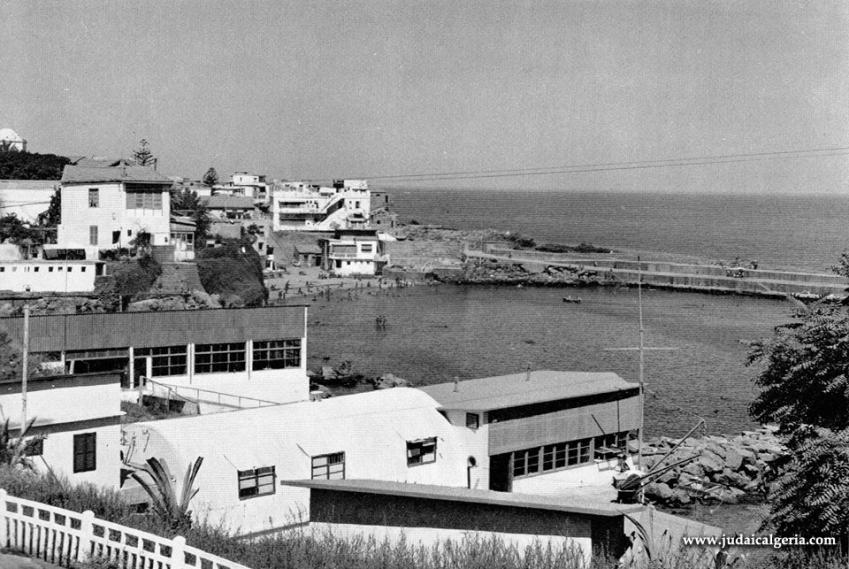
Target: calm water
<point x="805" y="232"/>
<point x="436" y="333"/>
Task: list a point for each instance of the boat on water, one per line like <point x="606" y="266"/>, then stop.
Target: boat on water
<point x="572" y="300"/>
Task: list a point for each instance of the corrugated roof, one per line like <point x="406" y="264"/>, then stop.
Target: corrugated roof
<point x="505" y="391"/>
<point x="470" y="495"/>
<point x="221" y="201"/>
<point x="131" y="174"/>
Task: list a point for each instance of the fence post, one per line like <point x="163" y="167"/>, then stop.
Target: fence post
<point x="4" y="521"/>
<point x="86" y="536"/>
<point x="178" y="552"/>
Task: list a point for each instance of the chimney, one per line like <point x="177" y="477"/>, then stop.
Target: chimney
<point x="528" y="372"/>
<point x="456" y="384"/>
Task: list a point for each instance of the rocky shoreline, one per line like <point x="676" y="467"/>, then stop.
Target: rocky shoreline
<point x="726" y="469"/>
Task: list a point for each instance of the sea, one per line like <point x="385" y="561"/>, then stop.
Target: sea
<point x="697" y="367"/>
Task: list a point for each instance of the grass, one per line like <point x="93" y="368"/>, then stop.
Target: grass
<point x="306" y="549"/>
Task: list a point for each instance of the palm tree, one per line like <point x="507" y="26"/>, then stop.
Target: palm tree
<point x="15" y="451"/>
<point x="164" y="501"/>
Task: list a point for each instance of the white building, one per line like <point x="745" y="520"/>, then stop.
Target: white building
<point x="26" y="198"/>
<point x="229" y="207"/>
<point x="394" y="434"/>
<point x="297" y="206"/>
<point x="79" y="416"/>
<point x="107" y="208"/>
<point x="11" y="141"/>
<point x="196" y="186"/>
<point x="354" y="252"/>
<point x="543" y="432"/>
<point x="38" y="275"/>
<point x="249" y="185"/>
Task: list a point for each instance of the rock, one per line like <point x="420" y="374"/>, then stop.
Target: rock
<point x="328" y="373"/>
<point x="733" y="459"/>
<point x="766" y="457"/>
<point x="711" y="462"/>
<point x="730" y="495"/>
<point x="694" y="469"/>
<point x="389" y="380"/>
<point x="658" y="491"/>
<point x="732" y="478"/>
<point x="681" y="496"/>
<point x="668" y="476"/>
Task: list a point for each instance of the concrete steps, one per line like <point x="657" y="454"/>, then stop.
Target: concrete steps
<point x="178" y="278"/>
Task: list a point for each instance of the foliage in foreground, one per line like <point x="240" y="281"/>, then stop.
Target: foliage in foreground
<point x="804" y="381"/>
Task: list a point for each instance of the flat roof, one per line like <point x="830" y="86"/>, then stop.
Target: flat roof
<point x="570" y="505"/>
<point x="505" y="391"/>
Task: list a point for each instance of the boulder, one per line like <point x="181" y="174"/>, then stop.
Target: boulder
<point x="681" y="496"/>
<point x="658" y="491"/>
<point x="733" y="459"/>
<point x="389" y="380"/>
<point x="711" y="462"/>
<point x="694" y="469"/>
<point x="669" y="476"/>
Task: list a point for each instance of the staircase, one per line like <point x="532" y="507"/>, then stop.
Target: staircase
<point x="178" y="278"/>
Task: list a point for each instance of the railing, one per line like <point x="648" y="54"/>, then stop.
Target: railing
<point x="213" y="396"/>
<point x="65" y="538"/>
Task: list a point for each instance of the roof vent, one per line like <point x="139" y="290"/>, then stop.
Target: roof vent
<point x="528" y="372"/>
<point x="456" y="384"/>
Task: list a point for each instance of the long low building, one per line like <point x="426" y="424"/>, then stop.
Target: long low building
<point x="255" y="352"/>
<point x="428" y="514"/>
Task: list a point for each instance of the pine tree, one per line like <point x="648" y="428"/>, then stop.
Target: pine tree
<point x="143" y="156"/>
<point x="210" y="178"/>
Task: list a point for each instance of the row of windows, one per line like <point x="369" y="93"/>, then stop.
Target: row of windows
<point x="557" y="456"/>
<point x="36" y="268"/>
<point x="223" y="357"/>
<point x="144" y="200"/>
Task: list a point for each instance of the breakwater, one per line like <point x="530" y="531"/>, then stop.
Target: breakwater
<point x="509" y="266"/>
<point x="727" y="469"/>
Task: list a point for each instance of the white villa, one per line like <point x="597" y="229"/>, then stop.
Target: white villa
<point x="298" y="206"/>
<point x="106" y="208"/>
<point x="354" y="252"/>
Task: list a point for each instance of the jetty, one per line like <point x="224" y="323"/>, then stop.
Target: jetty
<point x="688" y="277"/>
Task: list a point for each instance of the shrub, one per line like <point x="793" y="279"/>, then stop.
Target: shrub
<point x="234" y="272"/>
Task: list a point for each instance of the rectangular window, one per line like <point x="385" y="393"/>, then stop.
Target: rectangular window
<point x="551" y="457"/>
<point x="92" y="235"/>
<point x="93" y="197"/>
<point x="276" y="354"/>
<point x="367" y="248"/>
<point x="329" y="466"/>
<point x="256" y="482"/>
<point x="422" y="451"/>
<point x="166" y="360"/>
<point x="473" y="420"/>
<point x="225" y="357"/>
<point x="85" y="452"/>
<point x="144" y="200"/>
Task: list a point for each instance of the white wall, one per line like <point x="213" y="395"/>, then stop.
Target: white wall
<point x="476" y="443"/>
<point x="47" y="276"/>
<point x="59" y="456"/>
<point x="110" y="215"/>
<point x="375" y="446"/>
<point x="59" y="406"/>
<point x="278" y="385"/>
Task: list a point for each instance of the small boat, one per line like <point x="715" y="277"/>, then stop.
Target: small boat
<point x="571" y="300"/>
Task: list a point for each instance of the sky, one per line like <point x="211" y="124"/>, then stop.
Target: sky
<point x="323" y="89"/>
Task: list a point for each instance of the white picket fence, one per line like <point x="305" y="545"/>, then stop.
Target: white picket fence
<point x="64" y="537"/>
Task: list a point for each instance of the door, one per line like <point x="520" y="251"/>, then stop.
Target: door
<point x="501" y="472"/>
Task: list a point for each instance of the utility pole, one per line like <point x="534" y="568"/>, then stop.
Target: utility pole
<point x="24" y="370"/>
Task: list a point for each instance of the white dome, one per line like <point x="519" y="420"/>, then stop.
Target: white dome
<point x="10" y="135"/>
